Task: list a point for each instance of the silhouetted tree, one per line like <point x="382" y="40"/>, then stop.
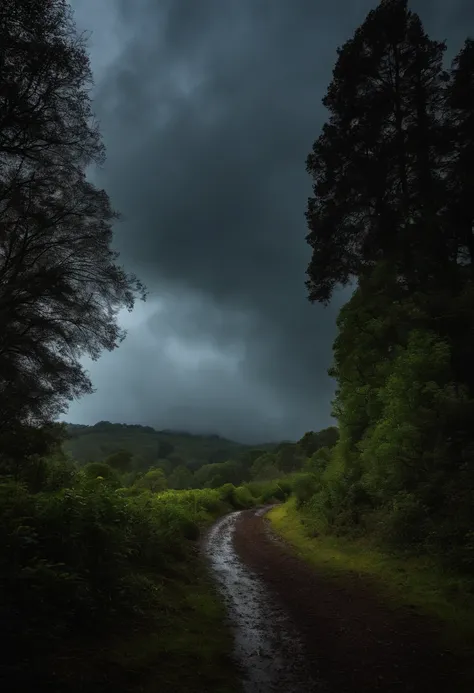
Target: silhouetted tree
<point x="457" y="318"/>
<point x="376" y="166"/>
<point x="460" y="98"/>
<point x="286" y="457"/>
<point x="311" y="442"/>
<point x="21" y="443"/>
<point x="60" y="285"/>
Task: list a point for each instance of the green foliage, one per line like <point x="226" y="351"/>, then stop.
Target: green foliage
<point x="286" y="457"/>
<point x="84" y="558"/>
<point x="241" y="497"/>
<point x="265" y="468"/>
<point x="181" y="478"/>
<point x="90" y="549"/>
<point x="418" y="582"/>
<point x="311" y="442"/>
<point x="120" y="460"/>
<point x="218" y="474"/>
<point x="33" y="456"/>
<point x="393" y="209"/>
<point x="405" y="521"/>
<point x="270" y="491"/>
<point x="411" y="433"/>
<point x="192" y="461"/>
<point x="318" y="462"/>
<point x="101" y="471"/>
<point x="154" y="480"/>
<point x="61" y="472"/>
<point x="147" y="445"/>
<point x="304" y="488"/>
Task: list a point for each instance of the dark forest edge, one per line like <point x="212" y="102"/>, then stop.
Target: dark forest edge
<point x="392" y="217"/>
<point x="392" y="214"/>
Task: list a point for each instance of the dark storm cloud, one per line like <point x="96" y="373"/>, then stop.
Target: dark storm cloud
<point x="208" y="112"/>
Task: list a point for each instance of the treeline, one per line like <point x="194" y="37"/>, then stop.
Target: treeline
<point x="392" y="215"/>
<point x="39" y="458"/>
<point x="140" y="457"/>
<point x="91" y="443"/>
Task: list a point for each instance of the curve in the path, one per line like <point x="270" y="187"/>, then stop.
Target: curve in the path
<point x="292" y="622"/>
<point x="268" y="647"/>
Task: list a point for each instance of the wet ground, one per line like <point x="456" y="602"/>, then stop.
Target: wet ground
<point x="296" y="630"/>
<point x="268" y="647"/>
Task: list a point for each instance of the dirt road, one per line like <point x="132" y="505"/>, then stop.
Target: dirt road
<point x="296" y="630"/>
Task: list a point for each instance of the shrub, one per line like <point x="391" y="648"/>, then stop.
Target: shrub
<point x="79" y="557"/>
<point x="403" y="522"/>
<point x="304" y="488"/>
<point x="271" y="491"/>
<point x="242" y="498"/>
<point x="101" y="471"/>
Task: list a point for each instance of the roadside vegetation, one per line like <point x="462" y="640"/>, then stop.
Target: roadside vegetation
<point x="102" y="579"/>
<point x="392" y="217"/>
<point x="103" y="585"/>
<point x="418" y="582"/>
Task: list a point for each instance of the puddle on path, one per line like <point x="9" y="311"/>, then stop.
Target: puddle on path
<point x="267" y="646"/>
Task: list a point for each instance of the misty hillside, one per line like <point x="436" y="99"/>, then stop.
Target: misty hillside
<point x="91" y="443"/>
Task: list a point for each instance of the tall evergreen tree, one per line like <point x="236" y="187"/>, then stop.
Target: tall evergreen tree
<point x="378" y="185"/>
<point x="452" y="306"/>
<point x="460" y="120"/>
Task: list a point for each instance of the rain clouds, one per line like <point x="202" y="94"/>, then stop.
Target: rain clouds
<point x="208" y="110"/>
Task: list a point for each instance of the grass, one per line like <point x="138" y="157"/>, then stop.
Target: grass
<point x="414" y="581"/>
<point x="187" y="647"/>
<point x="191" y="650"/>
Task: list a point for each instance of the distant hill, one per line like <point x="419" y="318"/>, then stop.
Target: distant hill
<point x="93" y="443"/>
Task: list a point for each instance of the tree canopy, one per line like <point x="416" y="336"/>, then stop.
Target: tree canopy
<point x="377" y="162"/>
<point x="61" y="286"/>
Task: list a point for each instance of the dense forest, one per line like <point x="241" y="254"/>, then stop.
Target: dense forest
<point x="392" y="216"/>
<point x="185" y="460"/>
<point x="169" y="450"/>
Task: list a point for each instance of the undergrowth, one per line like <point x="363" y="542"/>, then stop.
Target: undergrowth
<point x="403" y="580"/>
<point x="96" y="567"/>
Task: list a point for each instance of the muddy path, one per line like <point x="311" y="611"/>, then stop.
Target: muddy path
<point x="296" y="630"/>
<point x="268" y="647"/>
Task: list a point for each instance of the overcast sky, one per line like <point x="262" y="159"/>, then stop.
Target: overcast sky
<point x="208" y="109"/>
